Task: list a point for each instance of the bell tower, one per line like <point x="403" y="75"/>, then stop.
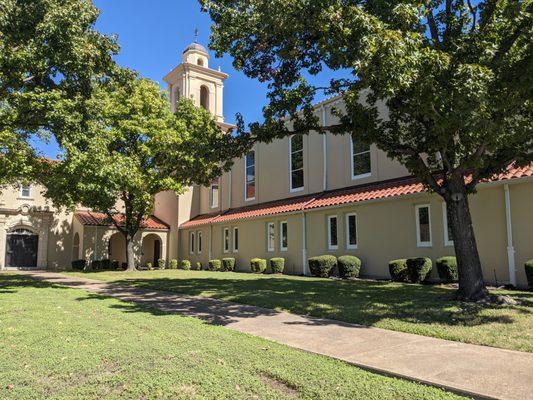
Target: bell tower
<point x="196" y="81"/>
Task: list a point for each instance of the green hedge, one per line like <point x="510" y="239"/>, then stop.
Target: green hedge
<point x="150" y="266"/>
<point x="398" y="270"/>
<point x="277" y="265"/>
<point x="79" y="265"/>
<point x="349" y="266"/>
<point x="214" y="265"/>
<point x="115" y="265"/>
<point x="161" y="263"/>
<point x="228" y="264"/>
<point x="529" y="273"/>
<point x="447" y="268"/>
<point x="418" y="269"/>
<point x="173" y="264"/>
<point x="322" y="266"/>
<point x="258" y="265"/>
<point x="186" y="265"/>
<point x="198" y="266"/>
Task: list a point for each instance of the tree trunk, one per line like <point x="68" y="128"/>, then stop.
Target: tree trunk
<point x="471" y="284"/>
<point x="130" y="253"/>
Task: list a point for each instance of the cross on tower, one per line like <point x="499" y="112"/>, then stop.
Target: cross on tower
<point x="196" y="35"/>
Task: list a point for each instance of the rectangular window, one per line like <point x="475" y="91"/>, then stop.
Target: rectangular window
<point x="191" y="243"/>
<point x="333" y="242"/>
<point x="213" y="194"/>
<point x="226" y="240"/>
<point x="199" y="242"/>
<point x="296" y="153"/>
<point x="448" y="236"/>
<point x="283" y="236"/>
<point x="249" y="176"/>
<point x="360" y="159"/>
<point x="423" y="226"/>
<point x="270" y="236"/>
<point x="351" y="231"/>
<point x="25" y="191"/>
<point x="235" y="240"/>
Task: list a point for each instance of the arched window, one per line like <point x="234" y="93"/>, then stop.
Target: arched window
<point x="204" y="97"/>
<point x="200" y="62"/>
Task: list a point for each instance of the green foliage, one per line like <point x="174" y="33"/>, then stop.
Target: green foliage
<point x="277" y="265"/>
<point x="115" y="265"/>
<point x="161" y="263"/>
<point x="398" y="270"/>
<point x="173" y="264"/>
<point x="105" y="264"/>
<point x="322" y="266"/>
<point x="79" y="265"/>
<point x="96" y="265"/>
<point x="258" y="265"/>
<point x="214" y="265"/>
<point x="418" y="269"/>
<point x="186" y="265"/>
<point x="149" y="266"/>
<point x="198" y="266"/>
<point x="447" y="268"/>
<point x="529" y="273"/>
<point x="228" y="264"/>
<point x="349" y="266"/>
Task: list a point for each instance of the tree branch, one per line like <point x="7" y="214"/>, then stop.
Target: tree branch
<point x="473" y="12"/>
<point x="433" y="28"/>
<point x="508" y="42"/>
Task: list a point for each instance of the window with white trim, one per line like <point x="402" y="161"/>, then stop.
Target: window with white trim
<point x="25" y="191"/>
<point x="448" y="235"/>
<point x="271" y="229"/>
<point x="191" y="243"/>
<point x="249" y="176"/>
<point x="333" y="237"/>
<point x="296" y="163"/>
<point x="283" y="236"/>
<point x="213" y="195"/>
<point x="423" y="225"/>
<point x="361" y="166"/>
<point x="235" y="240"/>
<point x="199" y="234"/>
<point x="225" y="239"/>
<point x="351" y="231"/>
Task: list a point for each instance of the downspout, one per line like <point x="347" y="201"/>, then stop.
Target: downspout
<point x="510" y="247"/>
<point x="210" y="252"/>
<point x="325" y="152"/>
<point x="304" y="241"/>
<point x="95" y="243"/>
<point x="229" y="189"/>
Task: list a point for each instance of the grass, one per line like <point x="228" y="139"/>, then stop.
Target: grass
<point x="421" y="309"/>
<point x="62" y="343"/>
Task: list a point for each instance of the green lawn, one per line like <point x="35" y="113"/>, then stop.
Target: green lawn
<point x="422" y="309"/>
<point x="61" y="343"/>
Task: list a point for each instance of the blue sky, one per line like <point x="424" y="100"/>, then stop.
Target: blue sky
<point x="152" y="35"/>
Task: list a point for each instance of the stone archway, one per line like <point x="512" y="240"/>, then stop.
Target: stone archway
<point x="152" y="249"/>
<point x="117" y="247"/>
<point x="76" y="247"/>
<point x="22" y="246"/>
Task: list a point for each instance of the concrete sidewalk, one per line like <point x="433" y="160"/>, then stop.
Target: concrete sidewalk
<point x="479" y="371"/>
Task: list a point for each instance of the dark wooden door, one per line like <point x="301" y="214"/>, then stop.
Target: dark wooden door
<point x="157" y="251"/>
<point x="21" y="250"/>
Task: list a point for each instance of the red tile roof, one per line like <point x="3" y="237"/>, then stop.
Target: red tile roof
<point x="99" y="219"/>
<point x="372" y="191"/>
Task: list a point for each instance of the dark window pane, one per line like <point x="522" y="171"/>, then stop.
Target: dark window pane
<point x="297" y="160"/>
<point x="250" y="190"/>
<point x="236" y="239"/>
<point x="296" y="143"/>
<point x="423" y="219"/>
<point x="199" y="242"/>
<point x="284" y="241"/>
<point x="297" y="179"/>
<point x="361" y="164"/>
<point x="359" y="146"/>
<point x="250" y="159"/>
<point x="333" y="231"/>
<point x="352" y="230"/>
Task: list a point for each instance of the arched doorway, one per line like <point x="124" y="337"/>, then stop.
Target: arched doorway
<point x="76" y="247"/>
<point x="21" y="248"/>
<point x="151" y="249"/>
<point x="117" y="247"/>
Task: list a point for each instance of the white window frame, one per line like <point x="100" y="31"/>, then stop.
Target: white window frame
<point x="212" y="198"/>
<point x="348" y="245"/>
<point x="269" y="243"/>
<point x="447" y="241"/>
<point x="225" y="244"/>
<point x="246" y="198"/>
<point x="191" y="242"/>
<point x="199" y="242"/>
<point x="352" y="154"/>
<point x="298" y="189"/>
<point x="281" y="247"/>
<point x="331" y="246"/>
<point x="235" y="231"/>
<point x="22" y="187"/>
<point x="417" y="217"/>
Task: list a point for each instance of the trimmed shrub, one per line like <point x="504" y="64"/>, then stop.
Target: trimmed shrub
<point x="79" y="265"/>
<point x="124" y="266"/>
<point x="105" y="264"/>
<point x="173" y="264"/>
<point x="186" y="265"/>
<point x="258" y="265"/>
<point x="447" y="269"/>
<point x="96" y="265"/>
<point x="198" y="266"/>
<point x="418" y="269"/>
<point x="349" y="266"/>
<point x="277" y="265"/>
<point x="161" y="263"/>
<point x="115" y="265"/>
<point x="529" y="273"/>
<point x="398" y="270"/>
<point x="228" y="264"/>
<point x="322" y="266"/>
<point x="214" y="265"/>
<point x="149" y="265"/>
